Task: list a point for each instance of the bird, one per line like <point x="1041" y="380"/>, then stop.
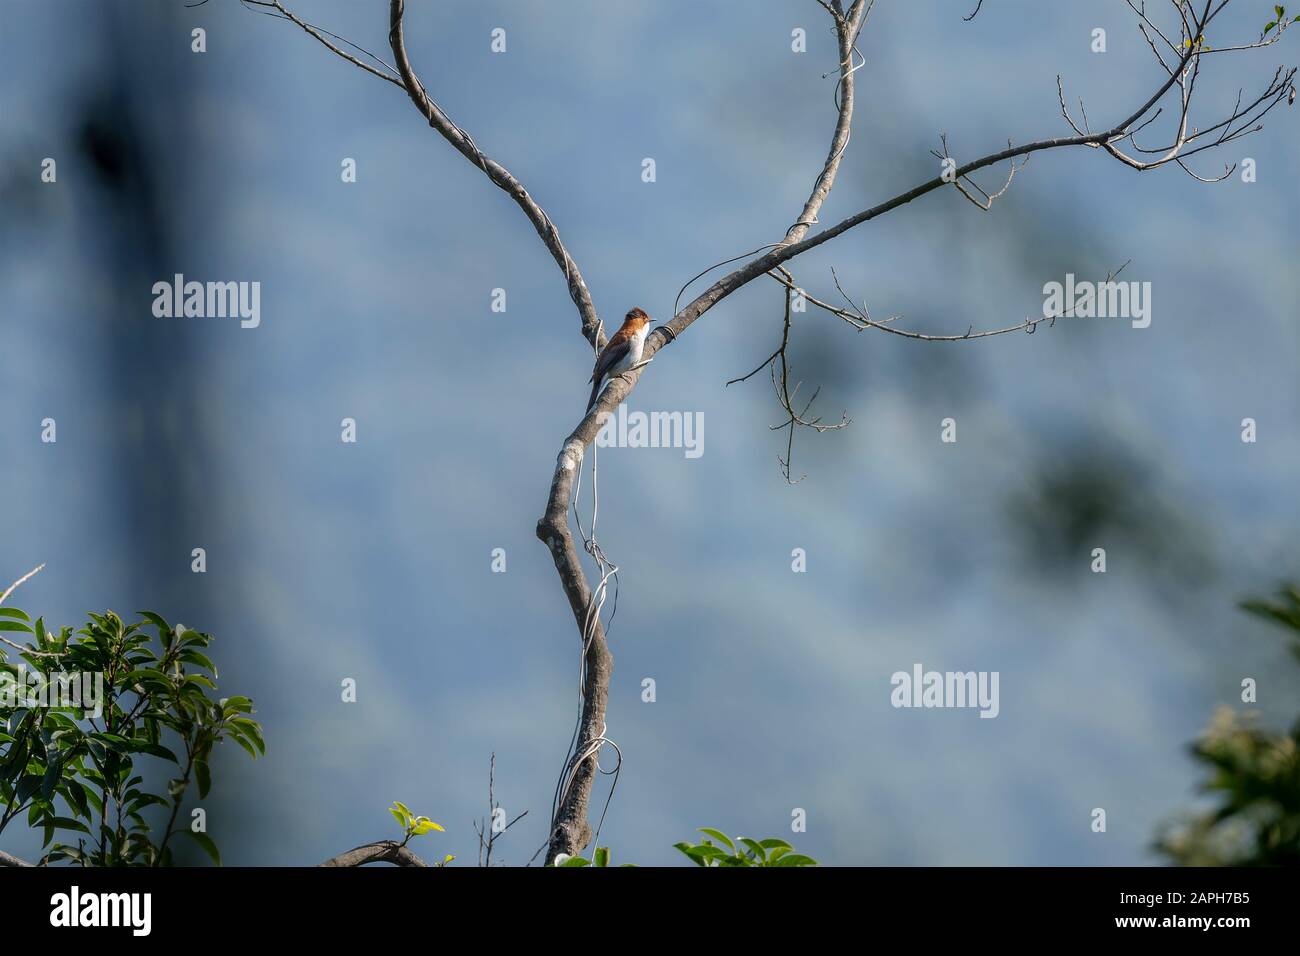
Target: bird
<point x="622" y="352"/>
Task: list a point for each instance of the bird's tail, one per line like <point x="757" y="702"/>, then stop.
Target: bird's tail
<point x="595" y="392"/>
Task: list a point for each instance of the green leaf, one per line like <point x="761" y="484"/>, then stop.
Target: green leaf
<point x="145" y="675"/>
<point x="66" y="823"/>
<point x="719" y="836"/>
<point x="72" y="793"/>
<point x="27" y="786"/>
<point x="148" y="800"/>
<point x="602" y="856"/>
<point x="51" y="779"/>
<point x="795" y="859"/>
<point x="194" y="657"/>
<point x="245" y="744"/>
<point x="251" y="729"/>
<point x="205" y="841"/>
<point x="576" y="861"/>
<point x="158" y="621"/>
<point x="14" y="612"/>
<point x="755" y="847"/>
<point x="16" y="626"/>
<point x="700" y="855"/>
<point x="154" y="750"/>
<point x="204" y="776"/>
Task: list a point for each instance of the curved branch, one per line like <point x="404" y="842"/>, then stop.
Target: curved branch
<point x="787" y="251"/>
<point x="320" y="35"/>
<point x="20" y="582"/>
<point x="847" y="28"/>
<point x="464" y="144"/>
<point x="857" y="317"/>
<point x="13" y="861"/>
<point x="570" y="829"/>
<point x="406" y="79"/>
<point x="384" y="851"/>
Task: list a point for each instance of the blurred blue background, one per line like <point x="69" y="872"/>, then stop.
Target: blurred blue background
<point x="373" y="561"/>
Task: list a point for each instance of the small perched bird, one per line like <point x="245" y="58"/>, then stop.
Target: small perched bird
<point x="621" y="352"/>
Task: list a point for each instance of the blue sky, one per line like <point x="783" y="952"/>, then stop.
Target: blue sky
<point x="372" y="561"/>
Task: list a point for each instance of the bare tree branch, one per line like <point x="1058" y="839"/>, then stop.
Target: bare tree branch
<point x="781" y="384"/>
<point x="986" y="203"/>
<point x="861" y="320"/>
<point x="571" y="830"/>
<point x="315" y="31"/>
<point x="20" y="582"/>
<point x="785" y="252"/>
<point x="847" y="28"/>
<point x="13" y="861"/>
<point x="403" y="75"/>
<point x="486" y="829"/>
<point x="5" y="596"/>
<point x="465" y="145"/>
<point x="385" y="851"/>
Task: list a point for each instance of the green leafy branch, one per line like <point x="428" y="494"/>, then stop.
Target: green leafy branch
<point x="718" y="850"/>
<point x="413" y="826"/>
<point x="1280" y="21"/>
<point x="80" y="767"/>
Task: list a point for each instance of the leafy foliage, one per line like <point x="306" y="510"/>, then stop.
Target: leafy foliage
<point x="94" y="770"/>
<point x="720" y="850"/>
<point x="1280" y="21"/>
<point x="717" y="850"/>
<point x="413" y="826"/>
<point x="1285" y="610"/>
<point x="410" y="823"/>
<point x="1254" y="772"/>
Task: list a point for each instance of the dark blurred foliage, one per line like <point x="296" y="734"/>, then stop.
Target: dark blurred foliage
<point x="1090" y="492"/>
<point x="133" y="232"/>
<point x="1255" y="775"/>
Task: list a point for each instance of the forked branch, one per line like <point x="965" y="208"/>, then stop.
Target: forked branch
<point x="1180" y="62"/>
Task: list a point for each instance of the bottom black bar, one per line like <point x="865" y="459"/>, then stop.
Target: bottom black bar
<point x="338" y="905"/>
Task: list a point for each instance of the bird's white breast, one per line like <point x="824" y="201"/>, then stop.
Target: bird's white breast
<point x="635" y="345"/>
